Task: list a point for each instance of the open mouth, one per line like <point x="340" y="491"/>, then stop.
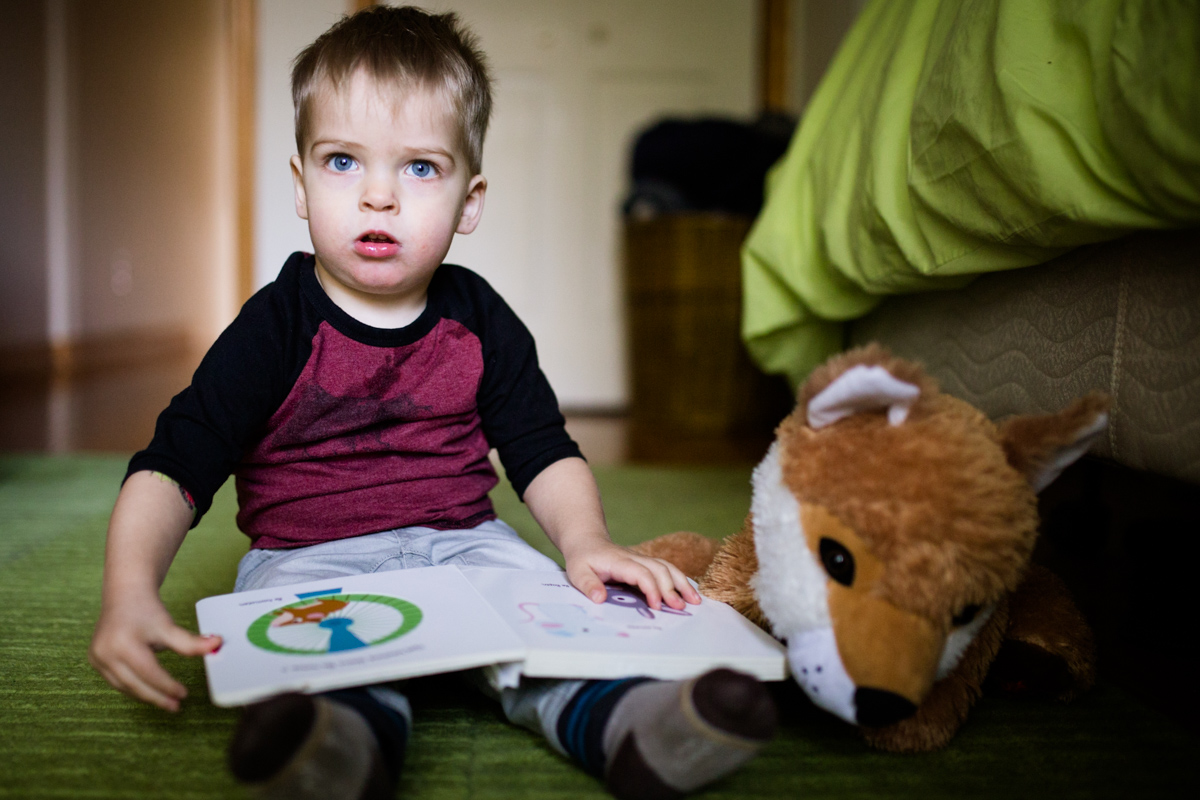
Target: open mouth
<point x="372" y="237"/>
<point x="376" y="244"/>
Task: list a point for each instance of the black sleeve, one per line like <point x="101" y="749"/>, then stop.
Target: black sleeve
<point x="242" y="380"/>
<point x="518" y="408"/>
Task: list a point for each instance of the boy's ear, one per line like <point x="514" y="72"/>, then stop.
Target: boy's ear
<point x="298" y="185"/>
<point x="472" y="205"/>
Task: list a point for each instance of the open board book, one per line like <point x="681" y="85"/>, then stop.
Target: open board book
<point x="388" y="626"/>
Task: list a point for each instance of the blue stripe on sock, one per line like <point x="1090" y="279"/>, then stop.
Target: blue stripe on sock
<point x="389" y="725"/>
<point x="580" y="730"/>
<point x="581" y="713"/>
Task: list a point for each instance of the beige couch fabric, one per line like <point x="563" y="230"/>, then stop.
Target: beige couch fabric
<point x="1121" y="317"/>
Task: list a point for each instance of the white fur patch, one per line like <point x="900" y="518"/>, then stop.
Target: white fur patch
<point x="862" y="388"/>
<point x="1068" y="455"/>
<point x="958" y="641"/>
<point x="790" y="584"/>
<point x="817" y="667"/>
<point x="791" y="587"/>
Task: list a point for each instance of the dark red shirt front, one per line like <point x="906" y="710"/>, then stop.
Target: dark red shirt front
<point x="335" y="429"/>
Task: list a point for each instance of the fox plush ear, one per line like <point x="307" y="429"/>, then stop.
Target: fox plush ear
<point x="864" y="379"/>
<point x="862" y="388"/>
<point x="1041" y="446"/>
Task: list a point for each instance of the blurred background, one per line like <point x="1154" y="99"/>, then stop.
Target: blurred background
<point x="146" y="194"/>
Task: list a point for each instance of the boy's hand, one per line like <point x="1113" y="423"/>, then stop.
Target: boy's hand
<point x="589" y="567"/>
<point x="127" y="635"/>
<point x="148" y="524"/>
<point x="564" y="500"/>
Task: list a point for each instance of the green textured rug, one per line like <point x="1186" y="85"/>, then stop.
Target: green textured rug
<point x="63" y="733"/>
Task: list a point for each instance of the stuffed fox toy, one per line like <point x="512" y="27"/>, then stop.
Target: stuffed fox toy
<point x="888" y="544"/>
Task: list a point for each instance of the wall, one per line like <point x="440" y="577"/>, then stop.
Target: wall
<point x="285" y="28"/>
<point x="22" y="177"/>
<point x="117" y="223"/>
<point x="817" y="30"/>
<point x="136" y="230"/>
<point x="575" y="83"/>
<point x="149" y="161"/>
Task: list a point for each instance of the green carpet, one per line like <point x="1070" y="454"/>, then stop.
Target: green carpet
<point x="63" y="733"/>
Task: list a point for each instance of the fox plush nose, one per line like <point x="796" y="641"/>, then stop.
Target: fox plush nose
<point x="875" y="708"/>
<point x="889" y="653"/>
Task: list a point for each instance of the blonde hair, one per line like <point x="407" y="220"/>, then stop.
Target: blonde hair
<point x="407" y="48"/>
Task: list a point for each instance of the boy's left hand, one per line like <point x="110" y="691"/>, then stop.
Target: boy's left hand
<point x="564" y="500"/>
<point x="591" y="566"/>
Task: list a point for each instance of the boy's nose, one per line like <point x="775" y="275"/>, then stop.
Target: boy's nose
<point x="378" y="195"/>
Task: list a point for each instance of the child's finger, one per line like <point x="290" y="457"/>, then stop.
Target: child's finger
<point x="587" y="582"/>
<point x="151" y="674"/>
<point x="683" y="585"/>
<point x="665" y="573"/>
<point x="108" y="676"/>
<point x="145" y="665"/>
<point x="138" y="686"/>
<point x="666" y="583"/>
<point x="186" y="643"/>
<point x="640" y="573"/>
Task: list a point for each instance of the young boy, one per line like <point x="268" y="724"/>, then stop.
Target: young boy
<point x="355" y="400"/>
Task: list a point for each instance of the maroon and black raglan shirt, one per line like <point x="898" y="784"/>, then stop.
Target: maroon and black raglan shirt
<point x="334" y="428"/>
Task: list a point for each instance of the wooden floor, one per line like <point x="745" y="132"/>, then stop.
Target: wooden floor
<point x="115" y="410"/>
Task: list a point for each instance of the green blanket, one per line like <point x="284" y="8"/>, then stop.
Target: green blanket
<point x="65" y="734"/>
<point x="954" y="138"/>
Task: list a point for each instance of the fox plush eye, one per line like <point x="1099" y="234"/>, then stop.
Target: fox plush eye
<point x="838" y="561"/>
<point x="965" y="616"/>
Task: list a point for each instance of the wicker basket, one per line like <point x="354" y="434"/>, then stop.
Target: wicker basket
<point x="696" y="395"/>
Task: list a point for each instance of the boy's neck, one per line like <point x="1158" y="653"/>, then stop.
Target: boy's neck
<point x="378" y="311"/>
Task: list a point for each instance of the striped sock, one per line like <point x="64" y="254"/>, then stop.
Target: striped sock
<point x="346" y="744"/>
<point x="581" y="724"/>
<point x="390" y="717"/>
<point x="658" y="740"/>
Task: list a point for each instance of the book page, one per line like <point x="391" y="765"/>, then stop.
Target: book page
<point x="569" y="636"/>
<point x="350" y="631"/>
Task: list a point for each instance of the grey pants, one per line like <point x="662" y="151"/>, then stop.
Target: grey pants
<point x="536" y="704"/>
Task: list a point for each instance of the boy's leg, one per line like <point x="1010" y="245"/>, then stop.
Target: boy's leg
<point x="490" y="544"/>
<point x="346" y="743"/>
<point x="295" y="741"/>
<point x="349" y="743"/>
<point x="646" y="738"/>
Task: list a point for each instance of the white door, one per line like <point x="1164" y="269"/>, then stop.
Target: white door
<point x="575" y="81"/>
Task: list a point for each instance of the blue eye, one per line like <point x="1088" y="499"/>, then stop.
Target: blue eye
<point x="341" y="163"/>
<point x="421" y="169"/>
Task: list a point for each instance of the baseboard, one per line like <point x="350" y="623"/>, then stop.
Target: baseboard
<point x="134" y="347"/>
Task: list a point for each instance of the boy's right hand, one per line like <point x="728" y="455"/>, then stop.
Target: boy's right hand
<point x="148" y="524"/>
<point x="128" y="634"/>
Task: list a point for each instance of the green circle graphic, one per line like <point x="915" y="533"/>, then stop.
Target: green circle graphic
<point x="258" y="632"/>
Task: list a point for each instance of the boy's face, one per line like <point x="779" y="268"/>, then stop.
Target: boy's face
<point x="384" y="187"/>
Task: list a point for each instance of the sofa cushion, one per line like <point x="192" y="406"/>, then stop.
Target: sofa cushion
<point x="1121" y="317"/>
